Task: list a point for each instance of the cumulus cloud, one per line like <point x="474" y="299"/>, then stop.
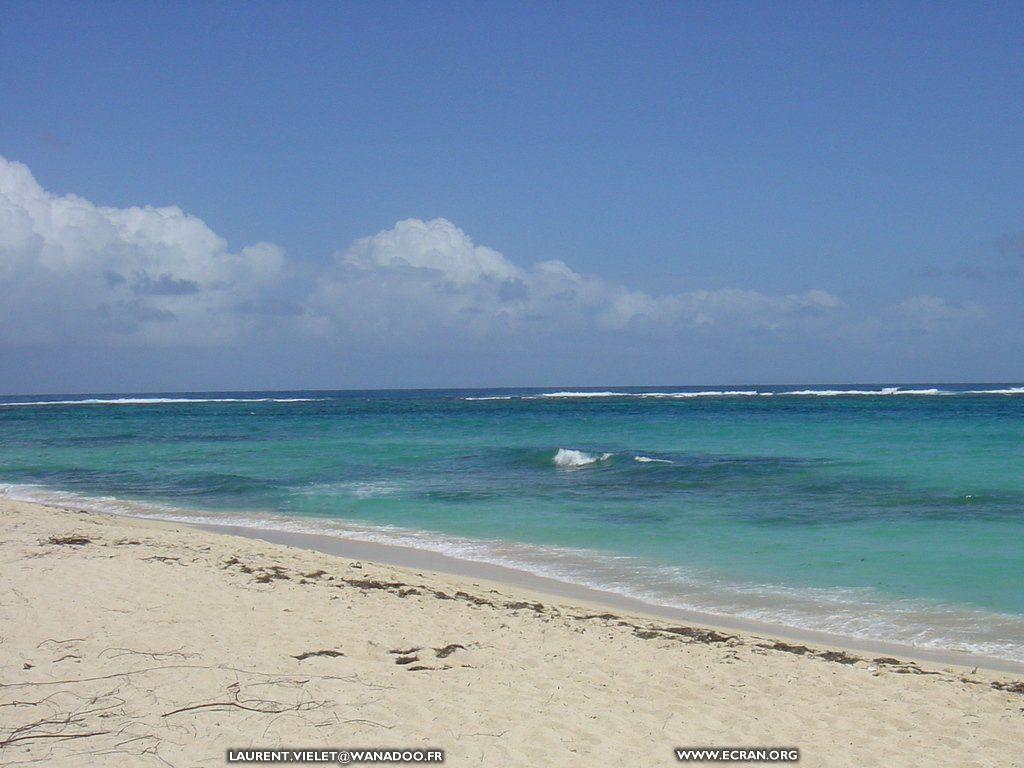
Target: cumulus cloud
<point x="423" y="275"/>
<point x="141" y="274"/>
<point x="433" y="246"/>
<point x="158" y="276"/>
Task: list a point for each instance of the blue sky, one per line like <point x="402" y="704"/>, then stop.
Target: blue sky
<point x="359" y="195"/>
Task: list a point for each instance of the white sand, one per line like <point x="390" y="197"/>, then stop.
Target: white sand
<point x="156" y="644"/>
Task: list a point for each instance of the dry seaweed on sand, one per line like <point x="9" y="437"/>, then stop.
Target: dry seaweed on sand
<point x="72" y="541"/>
<point x="325" y="652"/>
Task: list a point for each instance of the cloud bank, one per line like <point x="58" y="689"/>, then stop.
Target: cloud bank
<point x="145" y="275"/>
<point x="429" y="276"/>
<point x="158" y="277"/>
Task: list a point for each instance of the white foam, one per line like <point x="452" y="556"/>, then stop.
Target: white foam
<point x="681" y="395"/>
<point x="1008" y="391"/>
<point x="570" y="458"/>
<point x="107" y="504"/>
<point x="165" y="401"/>
<point x="585" y="394"/>
<point x="708" y="393"/>
<point x="360" y="490"/>
<point x="883" y="391"/>
<point x="649" y="460"/>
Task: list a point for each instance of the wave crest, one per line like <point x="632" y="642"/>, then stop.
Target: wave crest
<point x="570" y="458"/>
<point x="163" y="401"/>
<point x="743" y="393"/>
<point x="650" y="460"/>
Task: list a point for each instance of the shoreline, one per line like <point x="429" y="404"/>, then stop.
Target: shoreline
<point x="337" y="543"/>
<point x="515" y="578"/>
<point x="135" y="641"/>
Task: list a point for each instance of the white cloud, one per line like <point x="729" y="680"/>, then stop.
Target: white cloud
<point x="436" y="246"/>
<point x="156" y="276"/>
<point x="148" y="275"/>
<point x="423" y="277"/>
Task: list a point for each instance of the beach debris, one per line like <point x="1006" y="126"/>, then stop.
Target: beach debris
<point x="264" y="574"/>
<point x="268" y="574"/>
<point x="474" y="599"/>
<point x="72" y="541"/>
<point x="264" y="707"/>
<point x="516" y="606"/>
<point x="114" y="653"/>
<point x="903" y="667"/>
<point x="406" y="659"/>
<point x="701" y="635"/>
<point x="840" y="657"/>
<point x="778" y="645"/>
<point x="448" y="650"/>
<point x="53" y="641"/>
<point x="25" y="732"/>
<point x="694" y="634"/>
<point x="390" y="586"/>
<point x="325" y="652"/>
<point x="408" y="652"/>
<point x="1010" y="686"/>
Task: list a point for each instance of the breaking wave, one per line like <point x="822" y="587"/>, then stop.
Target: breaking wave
<point x="883" y="391"/>
<point x="162" y="401"/>
<point x="569" y="458"/>
<point x="649" y="460"/>
<point x="710" y="393"/>
<point x="727" y="393"/>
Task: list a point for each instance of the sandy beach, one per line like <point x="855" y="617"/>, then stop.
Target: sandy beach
<point x="133" y="642"/>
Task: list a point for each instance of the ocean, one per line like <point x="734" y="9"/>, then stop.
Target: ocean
<point x="872" y="512"/>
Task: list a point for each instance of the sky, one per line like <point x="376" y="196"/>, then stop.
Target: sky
<point x="226" y="196"/>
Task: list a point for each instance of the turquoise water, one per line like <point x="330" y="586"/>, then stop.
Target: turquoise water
<point x="881" y="513"/>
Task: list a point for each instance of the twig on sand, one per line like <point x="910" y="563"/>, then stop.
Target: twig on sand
<point x="269" y="708"/>
<point x="27" y="737"/>
<point x="155" y="655"/>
